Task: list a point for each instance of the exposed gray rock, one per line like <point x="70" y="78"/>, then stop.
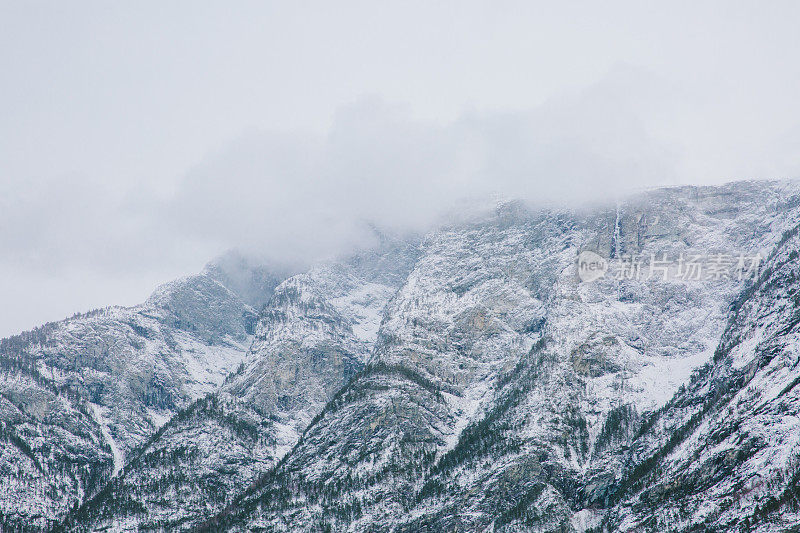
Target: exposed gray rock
<point x="80" y="394"/>
<point x="470" y="382"/>
<point x="503" y="392"/>
<point x="314" y="333"/>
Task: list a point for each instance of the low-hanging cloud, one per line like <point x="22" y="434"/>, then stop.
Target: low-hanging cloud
<point x="302" y="197"/>
<point x="299" y="197"/>
<point x="296" y="197"/>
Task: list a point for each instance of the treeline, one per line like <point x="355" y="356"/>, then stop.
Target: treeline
<point x="154" y="470"/>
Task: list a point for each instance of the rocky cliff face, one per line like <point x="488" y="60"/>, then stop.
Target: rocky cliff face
<point x="724" y="453"/>
<point x="315" y="332"/>
<point x="503" y="392"/>
<point x="53" y="451"/>
<point x="475" y="381"/>
<point x="80" y="394"/>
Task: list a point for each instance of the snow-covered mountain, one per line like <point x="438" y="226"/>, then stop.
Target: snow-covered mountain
<point x="502" y="392"/>
<point x="471" y="380"/>
<point x="724" y="454"/>
<point x="80" y="394"/>
<point x="314" y="333"/>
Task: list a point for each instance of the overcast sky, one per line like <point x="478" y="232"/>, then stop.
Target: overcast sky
<point x="139" y="139"/>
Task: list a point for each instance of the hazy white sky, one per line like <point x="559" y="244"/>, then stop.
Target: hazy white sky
<point x="139" y="139"/>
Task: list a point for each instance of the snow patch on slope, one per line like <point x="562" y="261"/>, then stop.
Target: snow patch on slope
<point x="119" y="458"/>
<point x="364" y="307"/>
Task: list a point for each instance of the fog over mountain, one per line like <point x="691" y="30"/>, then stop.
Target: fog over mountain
<point x="139" y="141"/>
<point x="465" y="378"/>
<point x="399" y="267"/>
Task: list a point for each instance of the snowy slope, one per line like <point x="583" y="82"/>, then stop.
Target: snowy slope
<point x="52" y="451"/>
<point x="114" y="376"/>
<point x="313" y="334"/>
<point x="503" y="392"/>
<point x="475" y="382"/>
<point x="729" y="454"/>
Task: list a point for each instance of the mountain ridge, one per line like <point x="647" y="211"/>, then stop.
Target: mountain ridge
<point x="468" y="380"/>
